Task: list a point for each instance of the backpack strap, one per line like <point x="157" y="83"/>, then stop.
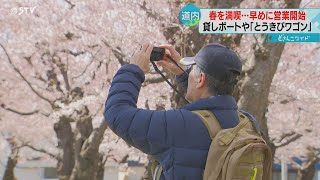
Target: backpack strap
<point x="210" y="121"/>
<point x="156" y="170"/>
<point x="228" y="137"/>
<point x="157" y="173"/>
<point x="213" y="126"/>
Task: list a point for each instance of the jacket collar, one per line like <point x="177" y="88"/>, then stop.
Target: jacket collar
<point x="213" y="103"/>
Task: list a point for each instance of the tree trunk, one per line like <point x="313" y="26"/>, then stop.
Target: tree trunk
<point x="12" y="160"/>
<point x="79" y="151"/>
<point x="253" y="89"/>
<point x="307" y="171"/>
<point x="83" y="167"/>
<point x="255" y="85"/>
<point x="147" y="173"/>
<point x="87" y="148"/>
<point x="9" y="172"/>
<point x="100" y="171"/>
<point x="65" y="145"/>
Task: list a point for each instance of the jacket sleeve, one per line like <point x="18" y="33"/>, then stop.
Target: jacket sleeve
<point x="183" y="79"/>
<point x="150" y="131"/>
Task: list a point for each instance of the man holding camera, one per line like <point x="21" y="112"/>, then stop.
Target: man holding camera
<point x="176" y="138"/>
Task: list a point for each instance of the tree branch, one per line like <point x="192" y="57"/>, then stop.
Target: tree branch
<point x="150" y="13"/>
<point x="94" y="72"/>
<point x="87" y="66"/>
<point x="295" y="164"/>
<point x="154" y="80"/>
<point x="71" y="5"/>
<point x="75" y="54"/>
<point x="285" y="135"/>
<point x="91" y="144"/>
<point x="289" y="140"/>
<point x="63" y="70"/>
<point x="146" y="104"/>
<point x="40" y="150"/>
<point x="24" y="79"/>
<point x="51" y="74"/>
<point x="96" y="113"/>
<point x="124" y="159"/>
<point x="117" y="53"/>
<point x="19" y="112"/>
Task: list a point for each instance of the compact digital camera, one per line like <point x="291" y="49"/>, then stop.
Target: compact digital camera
<point x="157" y="54"/>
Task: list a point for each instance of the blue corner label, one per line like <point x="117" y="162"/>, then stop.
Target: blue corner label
<point x="190" y="15"/>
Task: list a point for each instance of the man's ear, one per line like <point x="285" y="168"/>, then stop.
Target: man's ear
<point x="201" y="80"/>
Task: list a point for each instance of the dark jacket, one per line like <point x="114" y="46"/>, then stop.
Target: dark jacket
<point x="177" y="138"/>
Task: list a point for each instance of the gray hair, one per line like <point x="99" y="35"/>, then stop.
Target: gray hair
<point x="216" y="86"/>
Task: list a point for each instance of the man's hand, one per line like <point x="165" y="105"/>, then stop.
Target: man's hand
<point x="167" y="64"/>
<point x="142" y="57"/>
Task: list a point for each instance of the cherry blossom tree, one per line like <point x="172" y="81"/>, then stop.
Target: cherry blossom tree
<point x="293" y="110"/>
<point x="56" y="68"/>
